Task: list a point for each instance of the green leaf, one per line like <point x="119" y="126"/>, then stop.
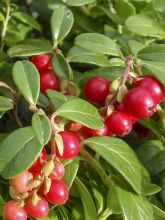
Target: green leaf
<point x="30" y="47"/>
<point x="112" y="201"/>
<point x="82" y="112"/>
<point x="157" y="69"/>
<point x="5" y="104"/>
<point x="158" y="5"/>
<point x="117" y="153"/>
<point x="78" y="2"/>
<point x="80" y="55"/>
<point x="97" y="43"/>
<point x="124" y="9"/>
<point x="77" y="212"/>
<point x="158" y="212"/>
<point x="150" y="189"/>
<point x="134" y="206"/>
<point x="88" y="203"/>
<point x="26" y="78"/>
<point x="56" y="98"/>
<point x="27" y="19"/>
<point x="145" y="26"/>
<point x="154" y="52"/>
<point x="18" y="151"/>
<point x="64" y="212"/>
<point x="61" y="66"/>
<point x="71" y="170"/>
<point x="41" y="128"/>
<point x="135" y="46"/>
<point x="61" y="23"/>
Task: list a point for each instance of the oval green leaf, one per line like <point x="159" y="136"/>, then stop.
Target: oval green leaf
<point x="97" y="43"/>
<point x="82" y="112"/>
<point x="41" y="128"/>
<point x="30" y="47"/>
<point x="117" y="153"/>
<point x="134" y="206"/>
<point x="61" y="23"/>
<point x="5" y="104"/>
<point x="145" y="26"/>
<point x="18" y="151"/>
<point x="26" y="78"/>
<point x="78" y="2"/>
<point x="87" y="200"/>
<point x="71" y="170"/>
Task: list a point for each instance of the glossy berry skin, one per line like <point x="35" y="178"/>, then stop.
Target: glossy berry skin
<point x="139" y="103"/>
<point x="153" y="86"/>
<point x="20" y="182"/>
<point x="58" y="172"/>
<point x="37" y="165"/>
<point x="58" y="193"/>
<point x="48" y="80"/>
<point x="41" y="61"/>
<point x="71" y="145"/>
<point x="101" y="132"/>
<point x="119" y="123"/>
<point x="40" y="210"/>
<point x="120" y="107"/>
<point x="96" y="90"/>
<point x="11" y="211"/>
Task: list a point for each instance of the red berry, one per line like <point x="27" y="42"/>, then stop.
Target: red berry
<point x="153" y="86"/>
<point x="42" y="61"/>
<point x="58" y="193"/>
<point x="119" y="123"/>
<point x="40" y="210"/>
<point x="11" y="211"/>
<point x="139" y="103"/>
<point x="101" y="132"/>
<point x="37" y="165"/>
<point x="58" y="172"/>
<point x="20" y="182"/>
<point x="71" y="145"/>
<point x="120" y="107"/>
<point x="48" y="80"/>
<point x="96" y="89"/>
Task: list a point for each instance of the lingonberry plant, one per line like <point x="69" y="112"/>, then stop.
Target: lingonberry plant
<point x="82" y="119"/>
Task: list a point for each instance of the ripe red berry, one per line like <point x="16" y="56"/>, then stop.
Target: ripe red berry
<point x="58" y="172"/>
<point x="153" y="86"/>
<point x="20" y="182"/>
<point x="37" y="165"/>
<point x="119" y="123"/>
<point x="120" y="107"/>
<point x="48" y="80"/>
<point x="71" y="145"/>
<point x="41" y="61"/>
<point x="11" y="211"/>
<point x="58" y="193"/>
<point x="101" y="132"/>
<point x="81" y="135"/>
<point x="139" y="103"/>
<point x="96" y="89"/>
<point x="40" y="210"/>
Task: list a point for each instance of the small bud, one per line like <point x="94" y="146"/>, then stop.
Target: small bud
<point x="13" y="193"/>
<point x="59" y="142"/>
<point x="35" y="198"/>
<point x="121" y="93"/>
<point x="115" y="85"/>
<point x="48" y="168"/>
<point x="33" y="184"/>
<point x="48" y="182"/>
<point x="110" y="109"/>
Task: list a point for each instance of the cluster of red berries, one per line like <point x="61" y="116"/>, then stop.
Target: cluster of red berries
<point x="42" y="183"/>
<point x="33" y="189"/>
<point x="140" y="102"/>
<point x="48" y="79"/>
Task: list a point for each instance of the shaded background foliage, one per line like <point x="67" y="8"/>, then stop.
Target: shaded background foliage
<point x="93" y="38"/>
